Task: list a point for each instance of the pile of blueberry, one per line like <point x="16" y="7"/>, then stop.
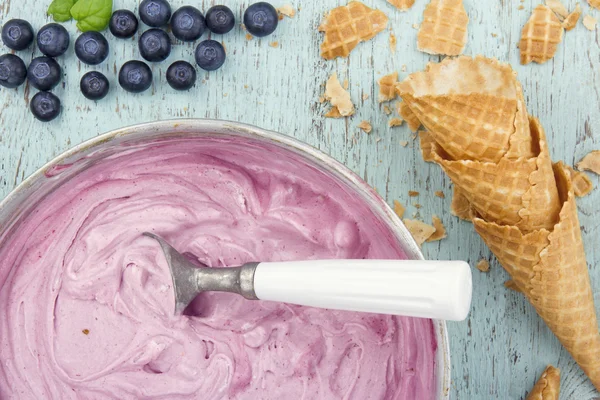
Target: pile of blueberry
<point x="187" y="24"/>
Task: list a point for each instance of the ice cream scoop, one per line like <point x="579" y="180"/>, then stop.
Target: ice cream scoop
<point x="415" y="288"/>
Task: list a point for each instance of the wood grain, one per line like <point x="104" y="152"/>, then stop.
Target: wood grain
<point x="504" y="346"/>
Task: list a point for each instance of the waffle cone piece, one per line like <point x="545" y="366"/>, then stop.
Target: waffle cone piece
<point x="444" y="28"/>
<point x="595" y="3"/>
<point x="346" y="26"/>
<point x="402" y="5"/>
<point x="550" y="269"/>
<point x="473" y="108"/>
<point x="520" y="192"/>
<point x="540" y="36"/>
<point x="548" y="386"/>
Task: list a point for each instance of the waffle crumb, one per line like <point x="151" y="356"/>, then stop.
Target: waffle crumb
<point x="460" y="206"/>
<point x="387" y="87"/>
<point x="582" y="185"/>
<point x="420" y="231"/>
<point x="394" y="122"/>
<point x="249" y="36"/>
<point x="415" y="26"/>
<point x="85" y="331"/>
<point x="440" y="230"/>
<point x="403" y="143"/>
<point x="403" y="68"/>
<point x="558" y="8"/>
<point x="338" y="96"/>
<point x="365" y="96"/>
<point x="571" y="21"/>
<point x="365" y="126"/>
<point x="591" y="162"/>
<point x="402" y="5"/>
<point x="483" y="265"/>
<point x="440" y="194"/>
<point x="387" y="110"/>
<point x="590" y="22"/>
<point x="521" y="7"/>
<point x="494" y="35"/>
<point x="346" y="26"/>
<point x="393" y="42"/>
<point x="333" y="112"/>
<point x="412" y="193"/>
<point x="399" y="209"/>
<point x="287" y="10"/>
<point x="417" y="206"/>
<point x="444" y="28"/>
<point x="274" y="44"/>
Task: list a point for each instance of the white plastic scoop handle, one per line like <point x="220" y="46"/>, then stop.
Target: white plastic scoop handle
<point x="427" y="289"/>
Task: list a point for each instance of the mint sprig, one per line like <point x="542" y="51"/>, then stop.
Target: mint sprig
<point x="92" y="15"/>
<point x="60" y="10"/>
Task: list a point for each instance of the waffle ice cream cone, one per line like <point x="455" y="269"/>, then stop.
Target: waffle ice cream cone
<point x="549" y="267"/>
<point x="520" y="192"/>
<point x="540" y="36"/>
<point x="346" y="26"/>
<point x="473" y="108"/>
<point x="444" y="28"/>
<point x="547" y="387"/>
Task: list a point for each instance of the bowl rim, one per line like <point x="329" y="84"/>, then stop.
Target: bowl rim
<point x="215" y="126"/>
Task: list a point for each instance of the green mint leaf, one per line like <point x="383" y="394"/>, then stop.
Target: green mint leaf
<point x="61" y="10"/>
<point x="92" y="15"/>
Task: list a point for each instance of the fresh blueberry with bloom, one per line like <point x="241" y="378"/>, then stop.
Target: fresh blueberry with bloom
<point x="155" y="13"/>
<point x="17" y="34"/>
<point x="44" y="73"/>
<point x="123" y="24"/>
<point x="94" y="85"/>
<point x="135" y="76"/>
<point x="91" y="47"/>
<point x="220" y="19"/>
<point x="53" y="40"/>
<point x="181" y="75"/>
<point x="261" y="19"/>
<point x="188" y="24"/>
<point x="210" y="55"/>
<point x="155" y="45"/>
<point x="45" y="106"/>
<point x="12" y="71"/>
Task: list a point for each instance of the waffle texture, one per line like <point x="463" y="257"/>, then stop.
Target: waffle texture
<point x="540" y="36"/>
<point x="444" y="28"/>
<point x="548" y="386"/>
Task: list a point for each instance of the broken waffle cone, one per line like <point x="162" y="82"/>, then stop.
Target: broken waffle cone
<point x="548" y="386"/>
<point x="520" y="192"/>
<point x="346" y="26"/>
<point x="595" y="3"/>
<point x="540" y="36"/>
<point x="444" y="28"/>
<point x="549" y="267"/>
<point x="402" y="5"/>
<point x="473" y="108"/>
<point x="387" y="87"/>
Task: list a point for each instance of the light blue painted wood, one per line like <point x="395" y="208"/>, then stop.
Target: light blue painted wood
<point x="504" y="346"/>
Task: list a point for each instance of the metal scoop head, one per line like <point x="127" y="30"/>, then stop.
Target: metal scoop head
<point x="190" y="279"/>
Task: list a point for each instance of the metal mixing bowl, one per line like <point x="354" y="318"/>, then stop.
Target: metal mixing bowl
<point x="52" y="175"/>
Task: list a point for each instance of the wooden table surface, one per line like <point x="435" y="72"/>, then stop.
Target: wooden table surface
<point x="503" y="347"/>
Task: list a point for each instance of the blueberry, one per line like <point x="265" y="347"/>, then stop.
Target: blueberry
<point x="45" y="106"/>
<point x="261" y="19"/>
<point x="91" y="47"/>
<point x="220" y="19"/>
<point x="155" y="13"/>
<point x="135" y="76"/>
<point x="210" y="55"/>
<point x="44" y="73"/>
<point x="188" y="24"/>
<point x="17" y="34"/>
<point x="181" y="75"/>
<point x="123" y="24"/>
<point x="12" y="71"/>
<point x="53" y="40"/>
<point x="94" y="85"/>
<point x="155" y="45"/>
